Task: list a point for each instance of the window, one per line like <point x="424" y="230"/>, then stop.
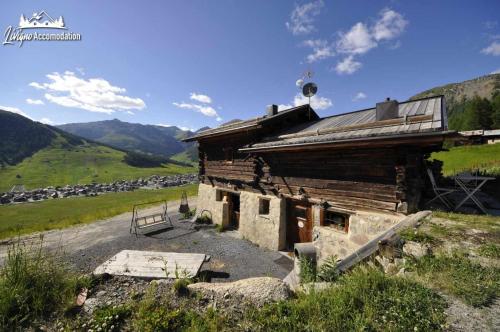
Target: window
<point x="264" y="206"/>
<point x="335" y="220"/>
<point x="228" y="155"/>
<point x="218" y="195"/>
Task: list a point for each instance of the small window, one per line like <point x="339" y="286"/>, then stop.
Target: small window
<point x="263" y="206"/>
<point x="335" y="220"/>
<point x="218" y="195"/>
<point x="228" y="155"/>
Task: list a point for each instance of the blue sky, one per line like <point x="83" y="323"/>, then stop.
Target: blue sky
<point x="201" y="63"/>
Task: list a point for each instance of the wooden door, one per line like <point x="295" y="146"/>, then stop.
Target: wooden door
<point x="299" y="223"/>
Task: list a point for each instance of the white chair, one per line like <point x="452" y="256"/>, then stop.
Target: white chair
<point x="440" y="192"/>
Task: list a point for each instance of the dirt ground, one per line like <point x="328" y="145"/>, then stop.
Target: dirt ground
<point x="87" y="246"/>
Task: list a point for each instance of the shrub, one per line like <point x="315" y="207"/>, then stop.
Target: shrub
<point x="189" y="214"/>
<point x="34" y="285"/>
<point x="457" y="275"/>
<point x="204" y="220"/>
<point x="108" y="318"/>
<point x="328" y="270"/>
<point x="363" y="300"/>
<point x="307" y="270"/>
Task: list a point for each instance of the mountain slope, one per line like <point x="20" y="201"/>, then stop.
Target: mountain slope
<point x="457" y="95"/>
<point x="157" y="140"/>
<point x="37" y="155"/>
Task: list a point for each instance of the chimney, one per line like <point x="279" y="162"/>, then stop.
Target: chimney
<point x="272" y="110"/>
<point x="387" y="109"/>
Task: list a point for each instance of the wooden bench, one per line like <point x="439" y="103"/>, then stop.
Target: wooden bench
<point x="148" y="221"/>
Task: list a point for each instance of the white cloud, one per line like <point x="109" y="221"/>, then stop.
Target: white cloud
<point x="317" y="103"/>
<point x="200" y="98"/>
<point x="15" y="110"/>
<point x="302" y="17"/>
<point x="490" y="24"/>
<point x="348" y="66"/>
<point x="94" y="94"/>
<point x="321" y="50"/>
<point x="205" y="110"/>
<point x="81" y="71"/>
<point x="46" y="121"/>
<point x="357" y="40"/>
<point x="282" y="107"/>
<point x="164" y="125"/>
<point x="362" y="37"/>
<point x="493" y="49"/>
<point x="35" y="101"/>
<point x="187" y="128"/>
<point x="360" y="95"/>
<point x="390" y="25"/>
<point x="218" y="119"/>
<point x="130" y="113"/>
<point x="496" y="71"/>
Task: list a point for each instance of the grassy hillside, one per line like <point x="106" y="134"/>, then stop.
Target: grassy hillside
<point x="486" y="158"/>
<point x="58" y="213"/>
<point x="157" y="140"/>
<point x="87" y="163"/>
<point x="463" y="102"/>
<point x="37" y="155"/>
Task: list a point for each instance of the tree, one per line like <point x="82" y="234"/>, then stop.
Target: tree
<point x="495" y="115"/>
<point x="478" y="114"/>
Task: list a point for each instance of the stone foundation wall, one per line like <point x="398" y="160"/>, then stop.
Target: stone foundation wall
<point x="265" y="230"/>
<point x="207" y="201"/>
<point x="362" y="228"/>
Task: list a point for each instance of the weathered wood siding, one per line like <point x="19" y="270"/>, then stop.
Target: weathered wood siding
<point x="382" y="179"/>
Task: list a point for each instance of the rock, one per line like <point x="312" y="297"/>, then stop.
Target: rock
<point x="416" y="249"/>
<point x="90" y="305"/>
<point x="258" y="291"/>
<point x="100" y="293"/>
<point x="387" y="265"/>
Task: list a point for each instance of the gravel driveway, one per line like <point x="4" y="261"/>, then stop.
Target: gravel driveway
<point x="232" y="258"/>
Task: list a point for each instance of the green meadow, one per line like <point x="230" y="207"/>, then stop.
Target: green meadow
<point x="83" y="164"/>
<point x="486" y="158"/>
<point x="26" y="218"/>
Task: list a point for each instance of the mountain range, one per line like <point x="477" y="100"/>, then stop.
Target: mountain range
<point x="36" y="155"/>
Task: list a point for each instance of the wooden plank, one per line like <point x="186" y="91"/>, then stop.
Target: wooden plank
<point x="152" y="264"/>
<point x="372" y="246"/>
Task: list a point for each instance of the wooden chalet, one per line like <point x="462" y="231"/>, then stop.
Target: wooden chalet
<point x="291" y="176"/>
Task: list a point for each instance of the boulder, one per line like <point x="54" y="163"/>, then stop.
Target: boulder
<point x="257" y="291"/>
<point x="416" y="249"/>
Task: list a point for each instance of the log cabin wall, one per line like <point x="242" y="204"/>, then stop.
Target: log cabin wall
<point x="388" y="179"/>
<point x="347" y="178"/>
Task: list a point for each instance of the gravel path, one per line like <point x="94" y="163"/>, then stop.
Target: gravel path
<point x="232" y="258"/>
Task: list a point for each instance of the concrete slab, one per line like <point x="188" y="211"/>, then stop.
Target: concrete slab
<point x="152" y="264"/>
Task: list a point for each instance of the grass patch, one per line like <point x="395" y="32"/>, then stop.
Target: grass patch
<point x="457" y="275"/>
<point x="58" y="165"/>
<point x="155" y="313"/>
<point x="59" y="213"/>
<point x="484" y="222"/>
<point x="484" y="157"/>
<point x="416" y="235"/>
<point x="363" y="300"/>
<point x="34" y="286"/>
<point x="490" y="250"/>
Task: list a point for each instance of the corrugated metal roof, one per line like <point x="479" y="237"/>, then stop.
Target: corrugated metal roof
<point x="247" y="124"/>
<point x="414" y="117"/>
